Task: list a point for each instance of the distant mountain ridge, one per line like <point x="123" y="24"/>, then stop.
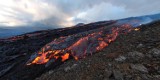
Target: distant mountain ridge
<point x="13" y="31"/>
<point x="134" y="21"/>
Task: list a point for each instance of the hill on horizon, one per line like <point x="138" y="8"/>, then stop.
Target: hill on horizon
<point x="135" y="21"/>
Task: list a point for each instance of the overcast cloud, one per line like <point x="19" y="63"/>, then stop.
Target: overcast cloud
<point x="64" y="13"/>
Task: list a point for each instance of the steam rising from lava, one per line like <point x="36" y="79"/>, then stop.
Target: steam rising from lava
<point x="79" y="45"/>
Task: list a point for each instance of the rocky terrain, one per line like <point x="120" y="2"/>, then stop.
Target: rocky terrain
<point x="16" y="51"/>
<point x="135" y="56"/>
<point x="131" y="56"/>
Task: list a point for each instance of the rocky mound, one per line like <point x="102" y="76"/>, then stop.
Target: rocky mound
<point x="134" y="56"/>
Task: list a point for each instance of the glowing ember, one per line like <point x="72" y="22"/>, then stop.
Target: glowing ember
<point x="79" y="46"/>
<point x="102" y="45"/>
<point x="137" y="29"/>
<point x="40" y="60"/>
<point x="65" y="57"/>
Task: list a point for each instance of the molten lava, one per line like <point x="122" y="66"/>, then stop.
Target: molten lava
<point x="65" y="57"/>
<point x="79" y="46"/>
<point x="137" y="29"/>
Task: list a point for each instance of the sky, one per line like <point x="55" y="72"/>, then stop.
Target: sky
<point x="66" y="13"/>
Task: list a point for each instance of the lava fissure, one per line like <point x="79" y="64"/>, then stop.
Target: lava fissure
<point x="78" y="46"/>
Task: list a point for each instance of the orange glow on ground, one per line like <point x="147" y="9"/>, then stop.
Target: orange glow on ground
<point x="79" y="49"/>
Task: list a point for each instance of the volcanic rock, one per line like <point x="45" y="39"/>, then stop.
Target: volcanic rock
<point x="145" y="77"/>
<point x="49" y="63"/>
<point x="67" y="68"/>
<point x="155" y="52"/>
<point x="139" y="67"/>
<point x="135" y="56"/>
<point x="140" y="45"/>
<point x="4" y="71"/>
<point x="118" y="75"/>
<point x="120" y="59"/>
<point x="107" y="73"/>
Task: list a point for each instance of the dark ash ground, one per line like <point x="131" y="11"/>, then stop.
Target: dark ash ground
<point x="135" y="56"/>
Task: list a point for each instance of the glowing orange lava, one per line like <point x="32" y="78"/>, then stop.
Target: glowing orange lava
<point x="83" y="46"/>
<point x="137" y="29"/>
<point x="65" y="57"/>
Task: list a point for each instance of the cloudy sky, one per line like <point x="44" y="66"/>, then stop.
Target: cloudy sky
<point x="64" y="13"/>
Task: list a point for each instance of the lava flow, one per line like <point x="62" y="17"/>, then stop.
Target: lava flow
<point x="78" y="46"/>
